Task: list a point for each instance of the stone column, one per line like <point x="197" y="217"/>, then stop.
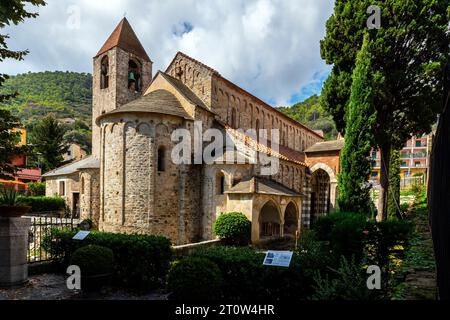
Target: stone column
<point x="333" y="200"/>
<point x="13" y="251"/>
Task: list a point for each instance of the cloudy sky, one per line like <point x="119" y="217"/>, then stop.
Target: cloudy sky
<point x="268" y="47"/>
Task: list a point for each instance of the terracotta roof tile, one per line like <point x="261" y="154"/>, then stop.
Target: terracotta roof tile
<point x="262" y="186"/>
<point x="124" y="37"/>
<point x="333" y="145"/>
<point x="158" y="101"/>
<point x="284" y="153"/>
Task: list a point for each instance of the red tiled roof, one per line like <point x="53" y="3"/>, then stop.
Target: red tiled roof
<point x="124" y="37"/>
<point x="284" y="153"/>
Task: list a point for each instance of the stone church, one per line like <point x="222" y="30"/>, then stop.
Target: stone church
<point x="130" y="183"/>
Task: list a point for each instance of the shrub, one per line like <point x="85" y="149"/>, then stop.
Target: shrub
<point x="384" y="237"/>
<point x="42" y="204"/>
<point x="140" y="261"/>
<point x="241" y="270"/>
<point x="93" y="260"/>
<point x="348" y="282"/>
<point x="186" y="279"/>
<point x="233" y="228"/>
<point x="345" y="231"/>
<point x="36" y="188"/>
<point x="245" y="277"/>
<point x="350" y="234"/>
<point x="314" y="255"/>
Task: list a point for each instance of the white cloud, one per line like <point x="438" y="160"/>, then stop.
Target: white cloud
<point x="269" y="47"/>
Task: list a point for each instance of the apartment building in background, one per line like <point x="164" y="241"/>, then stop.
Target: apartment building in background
<point x="415" y="158"/>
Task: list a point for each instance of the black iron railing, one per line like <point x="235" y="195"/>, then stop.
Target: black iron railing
<point x="41" y="226"/>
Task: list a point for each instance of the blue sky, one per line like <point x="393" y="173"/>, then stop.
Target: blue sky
<point x="268" y="47"/>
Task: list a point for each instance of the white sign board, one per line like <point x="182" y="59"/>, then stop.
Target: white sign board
<point x="81" y="235"/>
<point x="278" y="258"/>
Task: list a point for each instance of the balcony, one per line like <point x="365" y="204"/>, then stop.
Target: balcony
<point x="419" y="155"/>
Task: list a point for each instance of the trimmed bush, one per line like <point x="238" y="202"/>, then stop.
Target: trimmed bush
<point x="93" y="260"/>
<point x="194" y="278"/>
<point x="42" y="204"/>
<point x="140" y="261"/>
<point x="96" y="265"/>
<point x="233" y="228"/>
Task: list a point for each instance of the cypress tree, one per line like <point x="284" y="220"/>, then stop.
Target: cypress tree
<point x="354" y="191"/>
<point x="394" y="185"/>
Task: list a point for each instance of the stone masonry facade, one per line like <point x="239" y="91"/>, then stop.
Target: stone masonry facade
<point x="130" y="183"/>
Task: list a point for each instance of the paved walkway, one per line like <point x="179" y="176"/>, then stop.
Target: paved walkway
<point x="53" y="287"/>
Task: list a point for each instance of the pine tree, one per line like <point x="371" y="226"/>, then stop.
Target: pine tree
<point x="49" y="143"/>
<point x="354" y="191"/>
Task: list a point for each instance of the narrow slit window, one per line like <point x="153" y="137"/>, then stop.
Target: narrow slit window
<point x="161" y="160"/>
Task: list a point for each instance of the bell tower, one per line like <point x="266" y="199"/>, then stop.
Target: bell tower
<point x="122" y="72"/>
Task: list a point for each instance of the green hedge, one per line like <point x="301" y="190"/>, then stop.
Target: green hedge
<point x="41" y="203"/>
<point x="140" y="261"/>
<point x="245" y="277"/>
<point x="187" y="276"/>
<point x="233" y="228"/>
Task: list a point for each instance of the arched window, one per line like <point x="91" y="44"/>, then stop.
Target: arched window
<point x="134" y="76"/>
<point x="233" y="118"/>
<point x="161" y="159"/>
<point x="104" y="73"/>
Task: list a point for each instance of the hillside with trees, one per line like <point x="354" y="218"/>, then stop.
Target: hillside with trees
<point x="310" y="113"/>
<point x="68" y="95"/>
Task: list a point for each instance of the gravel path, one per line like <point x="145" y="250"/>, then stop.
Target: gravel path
<point x="53" y="287"/>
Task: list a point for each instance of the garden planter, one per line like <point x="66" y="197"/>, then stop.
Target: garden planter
<point x="13" y="211"/>
<point x="13" y="250"/>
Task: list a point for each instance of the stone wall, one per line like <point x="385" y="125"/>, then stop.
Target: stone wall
<point x="53" y="187"/>
<point x="136" y="195"/>
<point x="239" y="109"/>
<point x="90" y="195"/>
<point x="193" y="74"/>
<point x="213" y="202"/>
<point x="117" y="93"/>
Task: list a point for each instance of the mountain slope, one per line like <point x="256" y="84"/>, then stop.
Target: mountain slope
<point x="67" y="94"/>
<point x="310" y="113"/>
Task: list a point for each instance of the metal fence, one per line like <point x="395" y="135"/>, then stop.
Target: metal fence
<point x="41" y="226"/>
